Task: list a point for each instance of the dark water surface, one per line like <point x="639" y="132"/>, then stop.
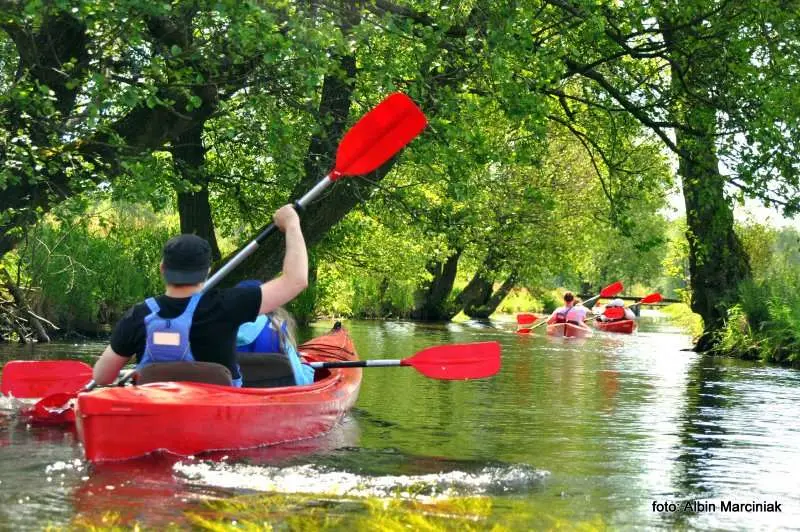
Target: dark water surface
<point x="571" y="432"/>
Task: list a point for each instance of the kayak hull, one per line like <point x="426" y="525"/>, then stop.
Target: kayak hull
<point x="622" y="326"/>
<point x="185" y="418"/>
<point x="568" y="330"/>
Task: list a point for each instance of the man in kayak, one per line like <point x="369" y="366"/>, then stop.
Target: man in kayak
<point x="185" y="324"/>
<point x="571" y="312"/>
<point x="616" y="303"/>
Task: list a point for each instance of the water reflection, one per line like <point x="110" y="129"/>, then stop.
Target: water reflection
<point x="148" y="490"/>
<point x="618" y="421"/>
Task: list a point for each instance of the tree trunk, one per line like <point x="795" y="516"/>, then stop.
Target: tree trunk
<point x="482" y="309"/>
<point x="478" y="299"/>
<point x="431" y="302"/>
<point x="717" y="260"/>
<point x="189" y="155"/>
<point x="475" y="295"/>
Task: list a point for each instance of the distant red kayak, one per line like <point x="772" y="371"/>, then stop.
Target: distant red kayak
<point x="622" y="326"/>
<point x="569" y="330"/>
<point x="187" y="418"/>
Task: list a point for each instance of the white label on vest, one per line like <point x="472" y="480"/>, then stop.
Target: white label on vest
<point x="166" y="338"/>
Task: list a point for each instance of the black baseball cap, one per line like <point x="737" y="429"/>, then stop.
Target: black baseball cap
<point x="186" y="259"/>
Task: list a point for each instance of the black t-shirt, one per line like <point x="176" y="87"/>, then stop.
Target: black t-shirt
<point x="212" y="337"/>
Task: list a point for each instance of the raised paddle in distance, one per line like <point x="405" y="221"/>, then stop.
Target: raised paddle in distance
<point x="648" y="299"/>
<point x="453" y="362"/>
<point x="609" y="291"/>
<point x="372" y="141"/>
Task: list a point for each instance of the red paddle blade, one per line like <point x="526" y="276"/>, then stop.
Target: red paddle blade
<point x="526" y="318"/>
<point x="614" y="313"/>
<point x="611" y="290"/>
<point x="53" y="410"/>
<point x="457" y="361"/>
<point x="40" y="378"/>
<point x="379" y="135"/>
<point x="650" y="298"/>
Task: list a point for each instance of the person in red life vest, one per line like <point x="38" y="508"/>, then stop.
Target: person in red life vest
<point x="571" y="312"/>
<point x="187" y="324"/>
<point x="616" y="303"/>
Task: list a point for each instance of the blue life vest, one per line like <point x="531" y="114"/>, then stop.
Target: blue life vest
<point x="260" y="337"/>
<point x="167" y="339"/>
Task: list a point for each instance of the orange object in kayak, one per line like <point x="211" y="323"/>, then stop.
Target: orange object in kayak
<point x="569" y="330"/>
<point x="186" y="418"/>
<point x="621" y="326"/>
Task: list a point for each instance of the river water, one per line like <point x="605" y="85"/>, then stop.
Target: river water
<point x="608" y="431"/>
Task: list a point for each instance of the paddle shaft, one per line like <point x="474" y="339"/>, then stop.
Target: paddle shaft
<point x="358" y="364"/>
<point x="125" y="377"/>
<point x="248" y="250"/>
<point x="592" y="299"/>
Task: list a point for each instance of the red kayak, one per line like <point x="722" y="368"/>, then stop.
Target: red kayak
<point x="621" y="326"/>
<point x="185" y="418"/>
<point x="569" y="330"/>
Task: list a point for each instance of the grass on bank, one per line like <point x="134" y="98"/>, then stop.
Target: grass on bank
<point x="764" y="325"/>
<point x="682" y="316"/>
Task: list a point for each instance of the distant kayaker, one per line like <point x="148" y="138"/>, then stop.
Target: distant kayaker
<point x="185" y="324"/>
<point x="616" y="303"/>
<point x="571" y="312"/>
<point x="273" y="333"/>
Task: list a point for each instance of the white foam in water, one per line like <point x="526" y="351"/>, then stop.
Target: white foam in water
<point x="10" y="403"/>
<point x="315" y="480"/>
<point x="74" y="465"/>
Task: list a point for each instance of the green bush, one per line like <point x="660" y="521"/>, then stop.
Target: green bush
<point x="519" y="300"/>
<point x="86" y="270"/>
<point x="765" y="324"/>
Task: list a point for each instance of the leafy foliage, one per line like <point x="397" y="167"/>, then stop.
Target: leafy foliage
<point x="89" y="267"/>
<point x="544" y="162"/>
<point x="766" y="323"/>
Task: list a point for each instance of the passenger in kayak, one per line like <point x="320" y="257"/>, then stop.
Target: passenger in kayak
<point x="616" y="303"/>
<point x="273" y="333"/>
<point x="185" y="324"/>
<point x="571" y="312"/>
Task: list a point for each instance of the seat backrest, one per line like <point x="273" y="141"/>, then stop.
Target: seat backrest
<point x="265" y="370"/>
<point x="206" y="372"/>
